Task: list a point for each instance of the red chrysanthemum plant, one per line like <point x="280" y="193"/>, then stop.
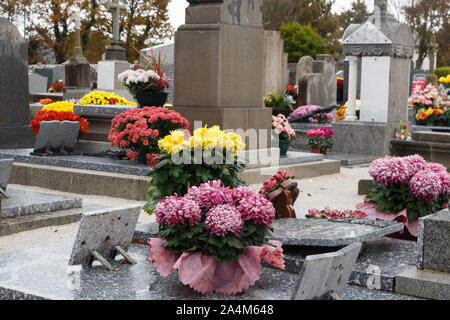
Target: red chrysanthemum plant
<point x="50" y="115"/>
<point x="138" y="130"/>
<point x="274" y="182"/>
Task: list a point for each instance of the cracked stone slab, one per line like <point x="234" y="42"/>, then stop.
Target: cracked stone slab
<point x="325" y="233"/>
<point x="43" y="273"/>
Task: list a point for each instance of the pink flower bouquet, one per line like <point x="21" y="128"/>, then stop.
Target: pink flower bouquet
<point x="282" y="127"/>
<point x="215" y="237"/>
<point x="317" y="118"/>
<point x="405" y="189"/>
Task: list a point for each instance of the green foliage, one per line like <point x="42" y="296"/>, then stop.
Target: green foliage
<point x="302" y="41"/>
<point x="321" y="143"/>
<point x="396" y="198"/>
<point x="442" y="71"/>
<point x="168" y="178"/>
<point x="432" y="79"/>
<point x="278" y="100"/>
<point x="183" y="238"/>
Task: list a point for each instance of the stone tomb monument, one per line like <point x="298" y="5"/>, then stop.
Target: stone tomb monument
<point x="219" y="65"/>
<point x="77" y="69"/>
<point x="316" y="80"/>
<point x="15" y="131"/>
<point x="103" y="234"/>
<point x="115" y="59"/>
<point x="385" y="48"/>
<point x="431" y="278"/>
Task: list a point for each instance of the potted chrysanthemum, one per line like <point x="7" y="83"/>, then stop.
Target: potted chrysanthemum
<point x="148" y="82"/>
<point x="215" y="237"/>
<point x="405" y="189"/>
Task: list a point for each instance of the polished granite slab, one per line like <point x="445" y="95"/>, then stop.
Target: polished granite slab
<point x="44" y="273"/>
<point x="23" y="202"/>
<point x="79" y="162"/>
<point x="378" y="263"/>
<point x="312" y="232"/>
<point x="331" y="233"/>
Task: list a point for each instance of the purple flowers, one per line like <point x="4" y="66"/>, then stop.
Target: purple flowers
<point x="174" y="210"/>
<point x="319" y="117"/>
<point x="223" y="219"/>
<point x="210" y="194"/>
<point x="257" y="208"/>
<point x="225" y="209"/>
<point x="425" y="185"/>
<point x="427" y="181"/>
<point x="389" y="171"/>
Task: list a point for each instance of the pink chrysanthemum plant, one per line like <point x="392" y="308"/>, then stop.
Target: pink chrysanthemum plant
<point x="215" y="220"/>
<point x="408" y="183"/>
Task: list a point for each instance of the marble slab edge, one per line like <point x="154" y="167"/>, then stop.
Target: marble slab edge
<point x="77" y="164"/>
<point x="51" y="206"/>
<point x="343" y="241"/>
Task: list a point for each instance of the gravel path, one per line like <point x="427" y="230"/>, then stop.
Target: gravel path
<point x="338" y="191"/>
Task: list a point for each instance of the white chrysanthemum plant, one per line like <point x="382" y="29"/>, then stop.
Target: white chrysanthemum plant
<point x="141" y="80"/>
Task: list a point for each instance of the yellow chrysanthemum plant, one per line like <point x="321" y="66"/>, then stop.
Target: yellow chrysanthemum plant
<point x="105" y="98"/>
<point x="190" y="160"/>
<point x="59" y="106"/>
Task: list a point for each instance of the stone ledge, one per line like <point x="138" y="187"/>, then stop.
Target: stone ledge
<point x="424" y="284"/>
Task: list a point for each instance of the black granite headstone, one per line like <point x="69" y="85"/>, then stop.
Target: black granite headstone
<point x="15" y="131"/>
<point x="411" y="77"/>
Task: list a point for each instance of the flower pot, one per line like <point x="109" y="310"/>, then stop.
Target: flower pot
<point x="323" y="151"/>
<point x="284" y="146"/>
<point x="314" y="149"/>
<point x="151" y="98"/>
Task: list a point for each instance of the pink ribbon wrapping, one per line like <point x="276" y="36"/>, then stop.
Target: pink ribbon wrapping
<point x="205" y="274"/>
<point x="371" y="210"/>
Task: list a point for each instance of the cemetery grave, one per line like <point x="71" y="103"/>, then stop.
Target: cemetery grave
<point x="218" y="235"/>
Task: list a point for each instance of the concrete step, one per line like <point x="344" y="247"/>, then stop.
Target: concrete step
<point x="424" y="283"/>
<point x="133" y="187"/>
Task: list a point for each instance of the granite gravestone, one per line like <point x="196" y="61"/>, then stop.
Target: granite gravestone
<point x="325" y="276"/>
<point x="304" y="66"/>
<point x="56" y="136"/>
<point x="5" y="172"/>
<point x="15" y="131"/>
<point x="103" y="234"/>
<point x="329" y="74"/>
<point x="433" y="242"/>
<point x="36" y="83"/>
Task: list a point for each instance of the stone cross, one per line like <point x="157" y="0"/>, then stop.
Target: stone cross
<point x="116" y="18"/>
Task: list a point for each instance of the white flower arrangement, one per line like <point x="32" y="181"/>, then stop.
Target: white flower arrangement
<point x="139" y="80"/>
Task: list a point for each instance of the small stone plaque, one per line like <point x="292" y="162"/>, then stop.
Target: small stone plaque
<point x="102" y="231"/>
<point x="324" y="233"/>
<point x="325" y="276"/>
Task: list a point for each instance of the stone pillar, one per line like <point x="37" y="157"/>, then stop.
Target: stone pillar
<point x="15" y="130"/>
<point x="273" y="62"/>
<point x="219" y="65"/>
<point x="350" y="114"/>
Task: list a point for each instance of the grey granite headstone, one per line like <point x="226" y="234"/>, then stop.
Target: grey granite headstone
<point x="15" y="130"/>
<point x="327" y="274"/>
<point x="36" y="83"/>
<point x="304" y="66"/>
<point x="56" y="135"/>
<point x="47" y="73"/>
<point x="434" y="242"/>
<point x="69" y="132"/>
<point x="329" y="74"/>
<point x="102" y="231"/>
<point x="48" y="130"/>
<point x="6" y="166"/>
